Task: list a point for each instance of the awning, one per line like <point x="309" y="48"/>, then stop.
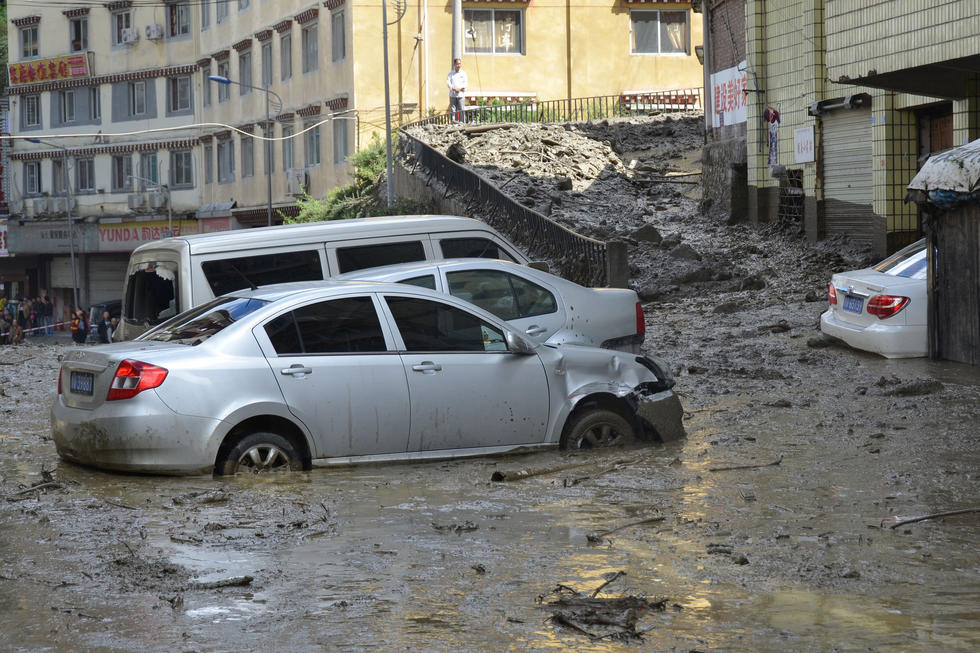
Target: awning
<point x="216" y="210"/>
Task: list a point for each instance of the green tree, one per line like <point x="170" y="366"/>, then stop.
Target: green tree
<point x="3" y="46"/>
<point x="358" y="199"/>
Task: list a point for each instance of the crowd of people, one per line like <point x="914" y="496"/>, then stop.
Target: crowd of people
<point x="35" y="317"/>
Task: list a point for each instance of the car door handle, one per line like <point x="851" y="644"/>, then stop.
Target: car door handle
<point x="296" y="369"/>
<point x="427" y="367"/>
<point x="535" y="330"/>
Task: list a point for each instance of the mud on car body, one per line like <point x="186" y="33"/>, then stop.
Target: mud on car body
<point x="342" y="372"/>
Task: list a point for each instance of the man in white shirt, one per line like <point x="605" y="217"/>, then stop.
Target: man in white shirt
<point x="457" y="83"/>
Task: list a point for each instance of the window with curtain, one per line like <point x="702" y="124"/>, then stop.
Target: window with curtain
<point x="493" y="31"/>
<point x="658" y="32"/>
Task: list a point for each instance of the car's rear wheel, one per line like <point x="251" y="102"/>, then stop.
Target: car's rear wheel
<point x="597" y="428"/>
<point x="259" y="452"/>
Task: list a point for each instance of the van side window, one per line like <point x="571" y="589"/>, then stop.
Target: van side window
<point x="230" y="274"/>
<point x="427" y="281"/>
<point x="372" y="256"/>
<point x="473" y="248"/>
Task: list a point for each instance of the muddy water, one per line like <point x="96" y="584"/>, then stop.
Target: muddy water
<point x="795" y="553"/>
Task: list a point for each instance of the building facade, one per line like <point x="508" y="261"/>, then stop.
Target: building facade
<point x="136" y="140"/>
<point x="843" y="104"/>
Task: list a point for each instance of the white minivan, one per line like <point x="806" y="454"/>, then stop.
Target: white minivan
<point x="173" y="274"/>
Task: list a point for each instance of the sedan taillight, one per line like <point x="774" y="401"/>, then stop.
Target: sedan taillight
<point x="641" y="320"/>
<point x="831" y="294"/>
<point x="886" y="305"/>
<point x="133" y="377"/>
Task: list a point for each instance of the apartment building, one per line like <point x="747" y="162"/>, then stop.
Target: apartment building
<point x="121" y="94"/>
<point x="836" y="105"/>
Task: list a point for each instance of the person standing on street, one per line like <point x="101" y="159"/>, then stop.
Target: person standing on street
<point x="105" y="328"/>
<point x="457" y="84"/>
<point x="79" y="329"/>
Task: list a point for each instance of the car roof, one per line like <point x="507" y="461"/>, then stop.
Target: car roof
<point x="299" y="233"/>
<point x="399" y="270"/>
<point x="299" y="289"/>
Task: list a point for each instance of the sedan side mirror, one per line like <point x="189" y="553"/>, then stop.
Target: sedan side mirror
<point x="517" y="345"/>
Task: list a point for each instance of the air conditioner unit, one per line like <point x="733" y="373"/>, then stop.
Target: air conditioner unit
<point x="130" y="35"/>
<point x="154" y="32"/>
<point x="41" y="206"/>
<point x="27" y="207"/>
<point x="297" y="181"/>
<point x="158" y="200"/>
<point x="136" y="200"/>
<point x="60" y="204"/>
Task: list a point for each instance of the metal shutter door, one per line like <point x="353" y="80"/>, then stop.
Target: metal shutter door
<point x="847" y="161"/>
<point x="106" y="276"/>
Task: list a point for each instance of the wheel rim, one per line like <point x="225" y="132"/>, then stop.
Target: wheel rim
<point x="263" y="458"/>
<point x="603" y="434"/>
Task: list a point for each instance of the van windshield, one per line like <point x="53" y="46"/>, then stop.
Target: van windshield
<point x="151" y="293"/>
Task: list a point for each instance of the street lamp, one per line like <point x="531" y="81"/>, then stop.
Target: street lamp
<point x="170" y="213"/>
<point x="71" y="232"/>
<point x="268" y="144"/>
<point x="400" y="7"/>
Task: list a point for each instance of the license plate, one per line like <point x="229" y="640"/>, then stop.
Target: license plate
<point x="853" y="304"/>
<point x="82" y="383"/>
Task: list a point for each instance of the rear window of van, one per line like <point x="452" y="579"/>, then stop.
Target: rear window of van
<point x="372" y="256"/>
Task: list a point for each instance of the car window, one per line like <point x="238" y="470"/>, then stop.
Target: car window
<point x="372" y="256"/>
<point x="151" y="292"/>
<point x="909" y="262"/>
<point x="506" y="295"/>
<point x="231" y="274"/>
<point x="473" y="248"/>
<point x="197" y="325"/>
<point x="337" y="326"/>
<point x="427" y="325"/>
<point x="428" y="281"/>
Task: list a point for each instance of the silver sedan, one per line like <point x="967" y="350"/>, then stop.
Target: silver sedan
<point x="343" y="372"/>
<point x="545" y="307"/>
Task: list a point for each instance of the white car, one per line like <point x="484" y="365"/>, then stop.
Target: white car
<point x="546" y="308"/>
<point x="281" y="376"/>
<point x="882" y="309"/>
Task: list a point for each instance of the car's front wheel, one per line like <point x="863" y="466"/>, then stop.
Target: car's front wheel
<point x="258" y="452"/>
<point x="597" y="428"/>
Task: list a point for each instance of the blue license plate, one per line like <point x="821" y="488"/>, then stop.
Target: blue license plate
<point x="82" y="382"/>
<point x="853" y="304"/>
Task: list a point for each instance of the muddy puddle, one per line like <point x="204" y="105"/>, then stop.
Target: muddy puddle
<point x="768" y="529"/>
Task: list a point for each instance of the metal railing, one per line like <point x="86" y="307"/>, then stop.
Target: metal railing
<point x="577" y="257"/>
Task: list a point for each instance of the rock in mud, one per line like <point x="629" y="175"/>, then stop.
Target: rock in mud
<point x="685" y="252"/>
<point x="648" y="234"/>
<point x="915" y="388"/>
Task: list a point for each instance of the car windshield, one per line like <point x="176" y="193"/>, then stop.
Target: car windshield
<point x="909" y="262"/>
<point x="198" y="324"/>
<point x="151" y="293"/>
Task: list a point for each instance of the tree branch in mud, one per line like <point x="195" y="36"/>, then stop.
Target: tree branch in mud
<point x="728" y="469"/>
<point x="936" y="515"/>
<point x="595" y="537"/>
<point x="521" y="474"/>
<point x="234" y="581"/>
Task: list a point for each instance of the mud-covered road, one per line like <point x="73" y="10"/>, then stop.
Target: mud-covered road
<point x="773" y="527"/>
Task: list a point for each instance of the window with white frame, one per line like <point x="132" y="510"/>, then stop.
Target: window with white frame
<point x="311" y="147"/>
<point x="493" y="31"/>
<point x="121" y="20"/>
<point x="208" y="164"/>
<point x="243" y="5"/>
<point x="122" y="173"/>
<point x="178" y="19"/>
<point x="29" y="48"/>
<point x="338" y="43"/>
<point x="85" y="175"/>
<point x="94" y="103"/>
<point x="66" y="101"/>
<point x="137" y="98"/>
<point x="32" y="177"/>
<point x="221" y="11"/>
<point x="341" y="146"/>
<point x="288" y="151"/>
<point x="58" y="178"/>
<point x="285" y="57"/>
<point x="248" y="156"/>
<point x="658" y="32"/>
<point x="309" y="46"/>
<point x="78" y="35"/>
<point x="266" y="64"/>
<point x="179" y="93"/>
<point x="32" y="110"/>
<point x="223" y="91"/>
<point x="149" y="175"/>
<point x="226" y="160"/>
<point x="181" y="169"/>
<point x="206" y="86"/>
<point x="205" y="14"/>
<point x="245" y="73"/>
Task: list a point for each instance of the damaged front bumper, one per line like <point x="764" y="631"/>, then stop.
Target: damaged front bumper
<point x="662" y="412"/>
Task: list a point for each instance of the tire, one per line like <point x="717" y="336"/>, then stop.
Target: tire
<point x="258" y="453"/>
<point x="597" y="428"/>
